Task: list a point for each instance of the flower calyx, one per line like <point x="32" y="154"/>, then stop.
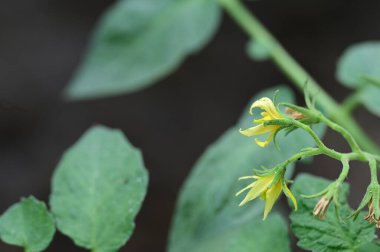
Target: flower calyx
<point x="268" y="184"/>
<point x="372" y="200"/>
<point x="305" y="115"/>
<point x="330" y="193"/>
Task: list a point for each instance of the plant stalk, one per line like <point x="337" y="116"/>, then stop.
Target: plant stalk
<point x="300" y="78"/>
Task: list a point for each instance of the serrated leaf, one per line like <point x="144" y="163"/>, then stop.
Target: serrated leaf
<point x="27" y="224"/>
<point x="140" y="41"/>
<point x="207" y="215"/>
<point x="331" y="234"/>
<point x="358" y="64"/>
<point x="97" y="190"/>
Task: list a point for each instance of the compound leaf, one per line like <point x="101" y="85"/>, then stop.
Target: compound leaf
<point x="331" y="234"/>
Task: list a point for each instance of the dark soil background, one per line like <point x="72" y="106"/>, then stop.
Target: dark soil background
<point x="42" y="42"/>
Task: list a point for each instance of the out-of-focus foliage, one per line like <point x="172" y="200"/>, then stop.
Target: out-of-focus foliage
<point x="207" y="215"/>
<point x="257" y="51"/>
<point x="137" y="42"/>
<point x="358" y="68"/>
<point x="97" y="190"/>
<point x="332" y="234"/>
<point x="369" y="247"/>
<point x="27" y="224"/>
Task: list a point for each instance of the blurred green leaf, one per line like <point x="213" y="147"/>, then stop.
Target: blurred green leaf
<point x="357" y="62"/>
<point x="139" y="42"/>
<point x="27" y="224"/>
<point x="97" y="190"/>
<point x="369" y="247"/>
<point x="370" y="99"/>
<point x="359" y="68"/>
<point x="271" y="235"/>
<point x="257" y="51"/>
<point x="331" y="234"/>
<point x="207" y="214"/>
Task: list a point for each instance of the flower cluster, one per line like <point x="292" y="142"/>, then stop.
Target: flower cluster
<point x="270" y="183"/>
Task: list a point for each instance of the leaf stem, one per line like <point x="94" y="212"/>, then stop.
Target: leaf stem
<point x="251" y="25"/>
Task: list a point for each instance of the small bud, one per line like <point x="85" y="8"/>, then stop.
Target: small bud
<point x="294" y="114"/>
<point x="321" y="207"/>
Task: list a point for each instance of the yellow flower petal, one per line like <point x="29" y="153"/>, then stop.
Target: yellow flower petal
<point x="267" y="141"/>
<point x="270" y="113"/>
<point x="257" y="188"/>
<point x="257" y="130"/>
<point x="265" y="117"/>
<point x="290" y="195"/>
<point x="245" y="188"/>
<point x="267" y="105"/>
<point x="271" y="196"/>
<point x="248" y="177"/>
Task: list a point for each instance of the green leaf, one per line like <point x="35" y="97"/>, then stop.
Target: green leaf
<point x="331" y="234"/>
<point x="27" y="224"/>
<point x="97" y="190"/>
<point x="139" y="42"/>
<point x="357" y="62"/>
<point x="247" y="237"/>
<point x="207" y="214"/>
<point x="359" y="68"/>
<point x="369" y="247"/>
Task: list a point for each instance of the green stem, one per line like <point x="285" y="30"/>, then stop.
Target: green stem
<point x="308" y="153"/>
<point x="336" y="127"/>
<point x="372" y="166"/>
<point x="351" y="102"/>
<point x="250" y="24"/>
<point x="346" y="168"/>
<point x="327" y="151"/>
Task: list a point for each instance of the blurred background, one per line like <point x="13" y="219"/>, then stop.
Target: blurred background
<point x="42" y="42"/>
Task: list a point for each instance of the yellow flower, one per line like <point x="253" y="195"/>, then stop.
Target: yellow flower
<point x="268" y="188"/>
<point x="270" y="113"/>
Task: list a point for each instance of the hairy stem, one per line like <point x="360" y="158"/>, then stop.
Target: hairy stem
<point x="251" y="25"/>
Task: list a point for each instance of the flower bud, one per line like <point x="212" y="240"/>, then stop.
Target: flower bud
<point x="296" y="115"/>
